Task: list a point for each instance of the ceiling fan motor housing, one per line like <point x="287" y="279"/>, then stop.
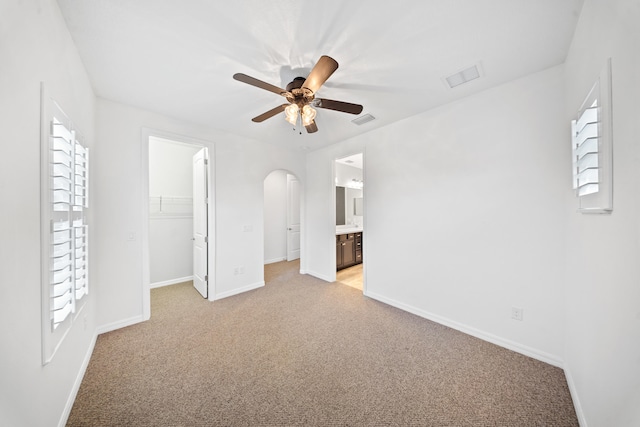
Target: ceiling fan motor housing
<point x="298" y="94"/>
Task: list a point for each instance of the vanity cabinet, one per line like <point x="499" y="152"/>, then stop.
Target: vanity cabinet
<point x="358" y="248"/>
<point x="348" y="250"/>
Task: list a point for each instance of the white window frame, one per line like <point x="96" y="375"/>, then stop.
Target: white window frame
<point x="592" y="148"/>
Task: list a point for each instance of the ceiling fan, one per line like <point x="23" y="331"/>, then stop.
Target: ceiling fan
<point x="301" y="96"/>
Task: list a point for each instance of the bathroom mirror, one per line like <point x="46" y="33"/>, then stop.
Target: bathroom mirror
<point x="348" y="205"/>
<point x="358" y="206"/>
<point x="349" y="188"/>
<point x="341" y="212"/>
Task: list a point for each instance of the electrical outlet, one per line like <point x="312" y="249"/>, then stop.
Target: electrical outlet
<point x="517" y="313"/>
<point x="238" y="270"/>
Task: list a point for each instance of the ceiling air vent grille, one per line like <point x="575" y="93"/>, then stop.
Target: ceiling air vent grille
<point x="463" y="76"/>
<point x="363" y="119"/>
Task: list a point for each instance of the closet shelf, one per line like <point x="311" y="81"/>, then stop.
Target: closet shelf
<point x="170" y="207"/>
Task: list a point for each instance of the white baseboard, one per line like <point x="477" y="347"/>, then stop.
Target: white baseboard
<point x="238" y="291"/>
<point x="170" y="282"/>
<point x="274" y="260"/>
<point x="318" y="275"/>
<point x="511" y="345"/>
<point x="76" y="384"/>
<point x="574" y="396"/>
<point x="119" y="324"/>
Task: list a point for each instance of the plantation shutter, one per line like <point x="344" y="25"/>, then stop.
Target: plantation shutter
<point x="80" y="229"/>
<point x="592" y="148"/>
<point x="62" y="189"/>
<point x="65" y="254"/>
<point x="585" y="151"/>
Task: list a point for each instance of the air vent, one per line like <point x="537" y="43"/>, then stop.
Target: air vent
<point x="463" y="76"/>
<point x="363" y="119"/>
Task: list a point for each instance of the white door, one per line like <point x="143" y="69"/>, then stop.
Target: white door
<point x="200" y="224"/>
<point x="293" y="218"/>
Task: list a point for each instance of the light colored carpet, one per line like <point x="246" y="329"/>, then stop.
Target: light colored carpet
<point x="302" y="352"/>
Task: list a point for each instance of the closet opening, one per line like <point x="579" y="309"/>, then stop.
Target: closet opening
<point x="178" y="232"/>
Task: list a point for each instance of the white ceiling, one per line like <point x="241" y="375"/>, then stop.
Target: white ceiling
<point x="178" y="57"/>
<point x="355" y="161"/>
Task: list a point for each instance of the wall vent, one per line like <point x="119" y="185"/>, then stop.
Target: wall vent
<point x="463" y="76"/>
<point x="363" y="119"/>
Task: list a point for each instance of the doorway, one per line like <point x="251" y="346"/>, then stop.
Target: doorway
<point x="282" y="221"/>
<point x="349" y="203"/>
<point x="176" y="198"/>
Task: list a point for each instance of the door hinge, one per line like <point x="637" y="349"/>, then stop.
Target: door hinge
<point x="206" y="278"/>
<point x="206" y="239"/>
<point x="206" y="161"/>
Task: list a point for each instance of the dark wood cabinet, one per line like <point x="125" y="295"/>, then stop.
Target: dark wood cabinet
<point x="348" y="250"/>
<point x="358" y="248"/>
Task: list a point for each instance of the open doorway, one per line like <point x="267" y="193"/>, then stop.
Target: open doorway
<point x="179" y="195"/>
<point x="281" y="217"/>
<point x="349" y="174"/>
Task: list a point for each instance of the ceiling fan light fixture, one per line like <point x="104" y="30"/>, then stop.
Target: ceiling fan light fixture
<point x="300" y="93"/>
<point x="291" y="113"/>
<point x="308" y="115"/>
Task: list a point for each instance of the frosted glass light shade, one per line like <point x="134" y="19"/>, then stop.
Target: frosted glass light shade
<point x="308" y="115"/>
<point x="291" y="113"/>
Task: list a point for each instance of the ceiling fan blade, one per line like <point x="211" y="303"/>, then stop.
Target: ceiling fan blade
<point x="264" y="116"/>
<point x="345" y="107"/>
<point x="259" y="83"/>
<point x="312" y="127"/>
<point x="320" y="73"/>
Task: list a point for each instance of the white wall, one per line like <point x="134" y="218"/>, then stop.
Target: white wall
<point x="171" y="168"/>
<point x="473" y="192"/>
<point x="275" y="217"/>
<point x="240" y="167"/>
<point x="602" y="351"/>
<point x="463" y="213"/>
<point x="171" y="231"/>
<point x="35" y="46"/>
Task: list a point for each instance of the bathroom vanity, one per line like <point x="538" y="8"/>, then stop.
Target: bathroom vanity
<point x="348" y="247"/>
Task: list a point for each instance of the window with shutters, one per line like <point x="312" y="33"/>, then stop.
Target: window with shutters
<point x="65" y="166"/>
<point x="591" y="143"/>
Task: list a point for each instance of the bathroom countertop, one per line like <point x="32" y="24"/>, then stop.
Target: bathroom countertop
<point x="347" y="230"/>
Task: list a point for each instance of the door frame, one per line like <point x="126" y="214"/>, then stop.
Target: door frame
<point x="302" y="207"/>
<point x="289" y="207"/>
<point x="334" y="177"/>
<point x="144" y="150"/>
